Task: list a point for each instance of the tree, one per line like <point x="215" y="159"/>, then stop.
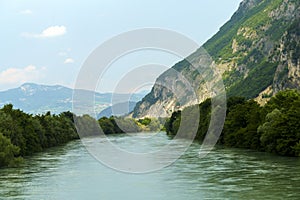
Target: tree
<point x="8" y="152"/>
<point x="240" y="128"/>
<point x="283" y="100"/>
<point x="106" y="125"/>
<point x="280" y="133"/>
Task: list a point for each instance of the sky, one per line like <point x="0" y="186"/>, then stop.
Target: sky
<point x="47" y="42"/>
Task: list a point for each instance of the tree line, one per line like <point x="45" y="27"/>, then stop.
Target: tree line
<point x="23" y="134"/>
<point x="273" y="128"/>
<point x="89" y="126"/>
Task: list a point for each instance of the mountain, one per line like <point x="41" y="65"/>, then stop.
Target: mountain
<point x="34" y="98"/>
<point x="257" y="53"/>
<point x="118" y="109"/>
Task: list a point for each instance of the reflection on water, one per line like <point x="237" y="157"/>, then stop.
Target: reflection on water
<point x="69" y="172"/>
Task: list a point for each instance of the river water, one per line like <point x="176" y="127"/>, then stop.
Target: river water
<point x="70" y="172"/>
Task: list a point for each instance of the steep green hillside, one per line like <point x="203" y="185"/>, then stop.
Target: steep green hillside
<point x="256" y="51"/>
<point x="249" y="42"/>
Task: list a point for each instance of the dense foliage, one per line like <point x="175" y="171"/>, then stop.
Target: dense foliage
<point x="89" y="126"/>
<point x="128" y="125"/>
<point x="272" y="128"/>
<point x="22" y="134"/>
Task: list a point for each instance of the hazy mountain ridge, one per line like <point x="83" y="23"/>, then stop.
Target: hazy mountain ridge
<point x="118" y="109"/>
<point x="256" y="51"/>
<point x="34" y="98"/>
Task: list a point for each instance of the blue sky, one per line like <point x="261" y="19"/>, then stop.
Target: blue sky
<point x="47" y="41"/>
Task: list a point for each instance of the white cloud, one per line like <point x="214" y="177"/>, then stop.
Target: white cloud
<point x="16" y="76"/>
<point x="52" y="31"/>
<point x="26" y="12"/>
<point x="69" y="61"/>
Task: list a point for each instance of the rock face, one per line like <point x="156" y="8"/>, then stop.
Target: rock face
<point x="257" y="53"/>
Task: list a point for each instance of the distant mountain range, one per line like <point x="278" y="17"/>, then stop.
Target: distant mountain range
<point x="118" y="109"/>
<point x="36" y="99"/>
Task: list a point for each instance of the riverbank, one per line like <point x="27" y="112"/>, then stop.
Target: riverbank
<point x="273" y="128"/>
<point x="22" y="134"/>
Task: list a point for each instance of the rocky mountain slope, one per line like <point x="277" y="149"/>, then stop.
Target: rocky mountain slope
<point x="257" y="53"/>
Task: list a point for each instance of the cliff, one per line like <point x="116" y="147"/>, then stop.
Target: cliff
<point x="256" y="52"/>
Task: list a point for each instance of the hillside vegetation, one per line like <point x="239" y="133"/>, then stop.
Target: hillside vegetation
<point x="257" y="53"/>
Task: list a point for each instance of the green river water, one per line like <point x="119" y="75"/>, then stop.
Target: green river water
<point x="70" y="172"/>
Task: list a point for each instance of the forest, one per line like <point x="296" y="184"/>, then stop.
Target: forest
<point x="273" y="128"/>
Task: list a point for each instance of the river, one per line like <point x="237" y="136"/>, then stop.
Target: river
<point x="70" y="172"/>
